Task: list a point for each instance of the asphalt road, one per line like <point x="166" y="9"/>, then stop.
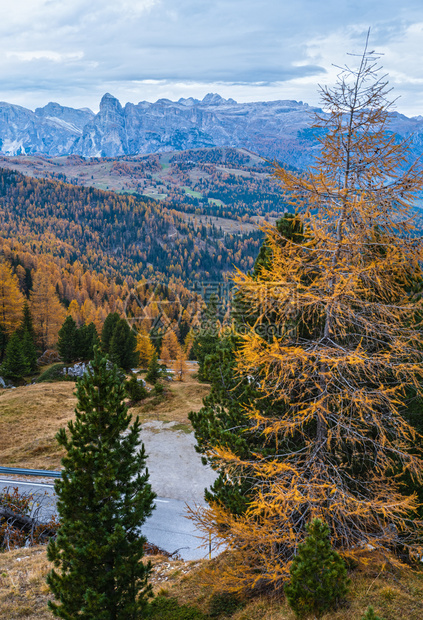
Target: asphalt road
<point x="176" y="475"/>
<point x="168" y="527"/>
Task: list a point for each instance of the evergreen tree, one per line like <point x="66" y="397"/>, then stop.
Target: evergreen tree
<point x="15" y="364"/>
<point x="103" y="499"/>
<point x="289" y="227"/>
<point x="207" y="338"/>
<point x="318" y="574"/>
<point x="27" y="324"/>
<point x="67" y="343"/>
<point x="110" y="323"/>
<point x="370" y="614"/>
<point x="154" y="371"/>
<point x="29" y="351"/>
<point x="28" y="338"/>
<point x="87" y="339"/>
<point x="222" y="421"/>
<point x="3" y="342"/>
<point x="123" y="346"/>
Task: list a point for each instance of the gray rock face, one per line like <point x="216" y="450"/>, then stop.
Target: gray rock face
<point x="68" y="118"/>
<point x="273" y="129"/>
<point x="105" y="134"/>
<point x="52" y="130"/>
<point x="77" y="370"/>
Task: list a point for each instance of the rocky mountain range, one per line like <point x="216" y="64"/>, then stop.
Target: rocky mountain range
<point x="273" y="129"/>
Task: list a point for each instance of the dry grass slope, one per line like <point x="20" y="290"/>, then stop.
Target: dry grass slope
<point x="181" y="398"/>
<point x="24" y="593"/>
<point x="394" y="595"/>
<point x="30" y="416"/>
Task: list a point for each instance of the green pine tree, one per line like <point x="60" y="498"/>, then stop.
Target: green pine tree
<point x="67" y="343"/>
<point x="122" y="346"/>
<point x="207" y="338"/>
<point x="29" y="351"/>
<point x="154" y="371"/>
<point x="103" y="499"/>
<point x="222" y="421"/>
<point x="3" y="342"/>
<point x="27" y="324"/>
<point x="289" y="227"/>
<point x="15" y="365"/>
<point x="318" y="574"/>
<point x="370" y="614"/>
<point x="28" y="338"/>
<point x="109" y="325"/>
<point x="87" y="339"/>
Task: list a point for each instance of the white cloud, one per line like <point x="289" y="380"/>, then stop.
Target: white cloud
<point x="74" y="50"/>
<point x="45" y="55"/>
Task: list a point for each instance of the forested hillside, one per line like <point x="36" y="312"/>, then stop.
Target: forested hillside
<point x="120" y="236"/>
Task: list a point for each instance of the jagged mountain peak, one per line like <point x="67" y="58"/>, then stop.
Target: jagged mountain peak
<point x="215" y="99"/>
<point x="109" y="101"/>
<point x="190" y="101"/>
<point x="279" y="129"/>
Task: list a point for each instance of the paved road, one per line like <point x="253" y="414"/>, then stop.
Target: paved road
<point x="168" y="528"/>
<point x="176" y="475"/>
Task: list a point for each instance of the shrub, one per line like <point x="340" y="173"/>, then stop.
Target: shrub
<point x="20" y="520"/>
<point x="54" y="373"/>
<point x="158" y="389"/>
<point x="164" y="608"/>
<point x="135" y="389"/>
<point x="370" y="614"/>
<point x="224" y="604"/>
<point x="318" y="574"/>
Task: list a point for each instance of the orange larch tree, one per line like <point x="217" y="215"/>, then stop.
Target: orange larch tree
<point x="348" y="347"/>
<point x="47" y="311"/>
<point x="171" y="344"/>
<point x="11" y="299"/>
<point x="179" y="365"/>
<point x="144" y="348"/>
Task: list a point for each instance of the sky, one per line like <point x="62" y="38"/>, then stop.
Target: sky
<point x="73" y="51"/>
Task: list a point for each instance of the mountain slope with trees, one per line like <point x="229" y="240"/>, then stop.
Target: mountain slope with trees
<point x="119" y="236"/>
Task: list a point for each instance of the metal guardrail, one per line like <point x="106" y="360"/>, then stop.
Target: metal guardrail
<point x="45" y="473"/>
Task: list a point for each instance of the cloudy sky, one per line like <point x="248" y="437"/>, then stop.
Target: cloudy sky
<point x="73" y="51"/>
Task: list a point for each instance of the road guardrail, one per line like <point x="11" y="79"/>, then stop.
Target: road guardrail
<point x="19" y="471"/>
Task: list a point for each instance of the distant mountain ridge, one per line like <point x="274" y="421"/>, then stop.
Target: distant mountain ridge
<point x="274" y="129"/>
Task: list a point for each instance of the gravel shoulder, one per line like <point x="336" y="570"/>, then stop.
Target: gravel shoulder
<point x="175" y="467"/>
